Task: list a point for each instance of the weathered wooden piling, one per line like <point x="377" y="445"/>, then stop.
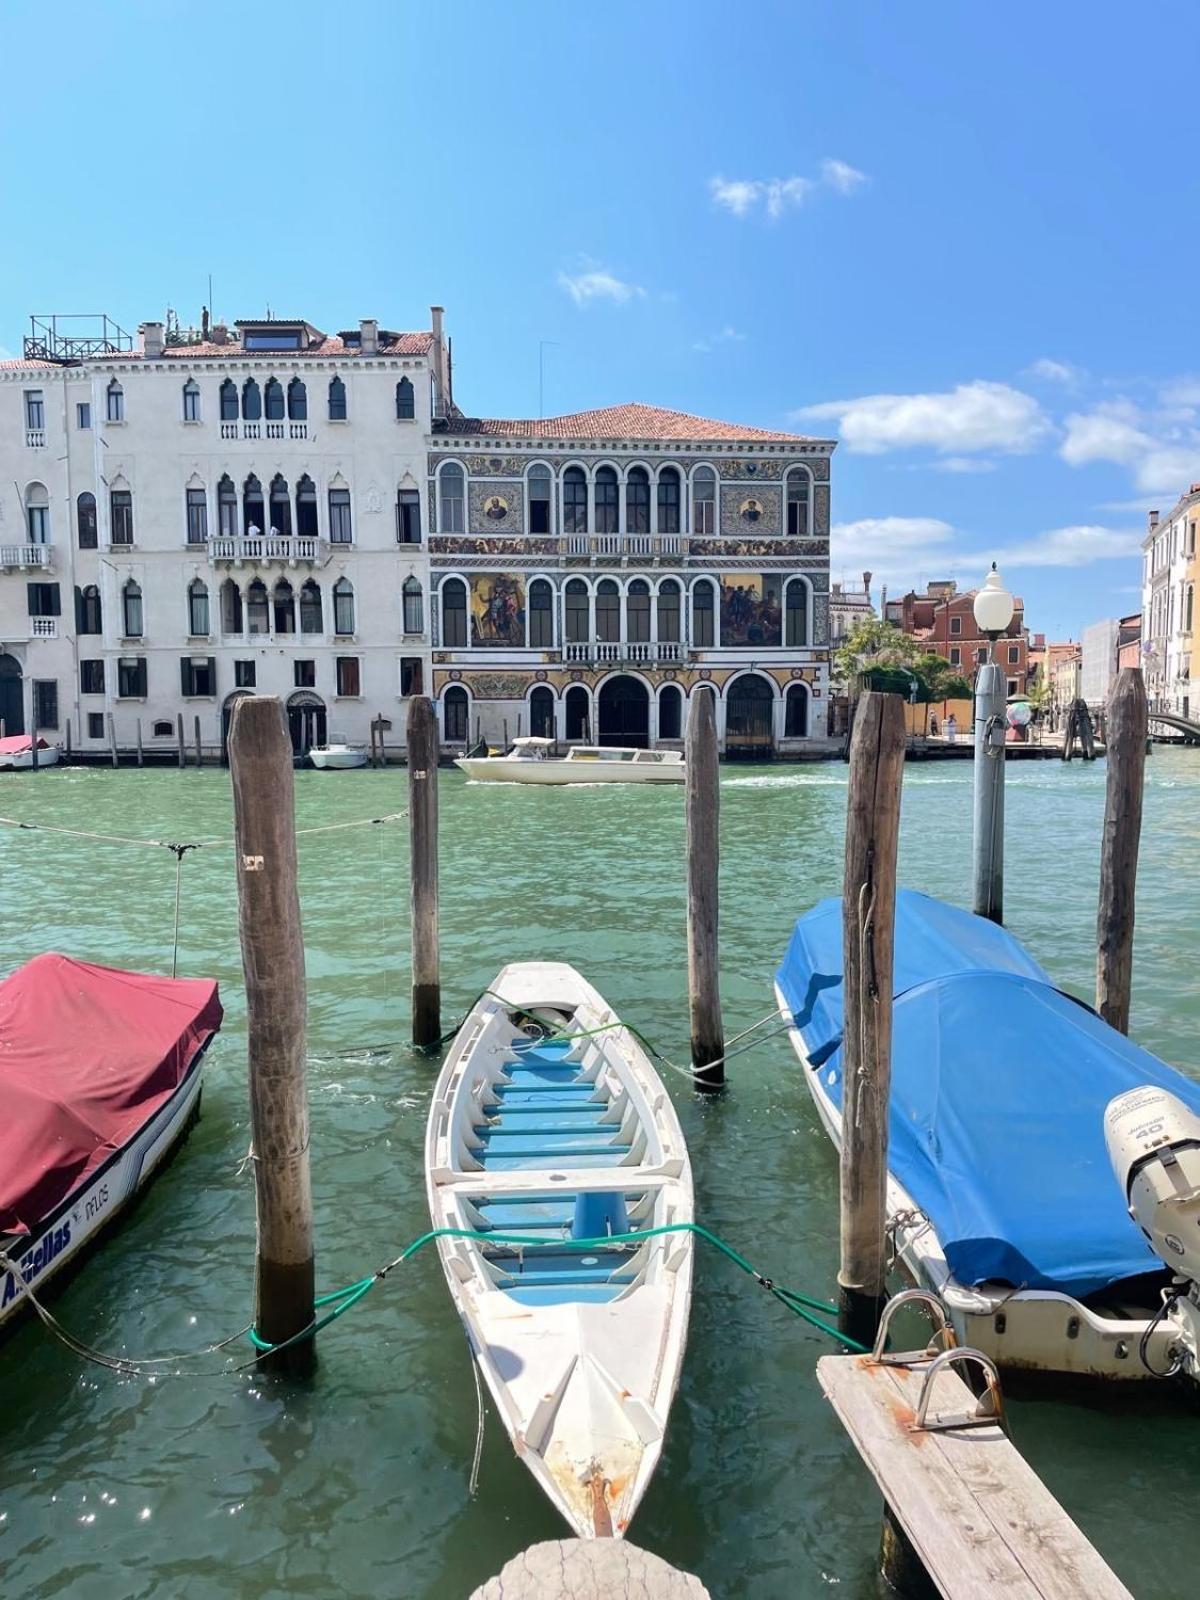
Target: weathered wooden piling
<point x="1128" y="726"/>
<point x="260" y="764"/>
<point x="68" y="736"/>
<point x="179" y="735"/>
<point x="199" y="746"/>
<point x="868" y="930"/>
<point x="33" y="747"/>
<point x="703" y="803"/>
<point x="141" y="758"/>
<point x="112" y="738"/>
<point x="423" y="839"/>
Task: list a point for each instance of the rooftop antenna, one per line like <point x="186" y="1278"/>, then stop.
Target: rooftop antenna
<point x="542" y="344"/>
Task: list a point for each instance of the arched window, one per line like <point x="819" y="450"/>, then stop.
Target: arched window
<point x="668" y="611"/>
<point x="283" y="607"/>
<point x="575" y="501"/>
<point x="306" y="508"/>
<point x="198" y="608"/>
<point x="251" y="401"/>
<point x="576" y="708"/>
<point x="406" y="401"/>
<point x="408" y="516"/>
<point x="539" y="500"/>
<point x="88" y="613"/>
<point x="337" y="400"/>
<point x="577" y="623"/>
<point x="452" y="491"/>
<point x="229" y="401"/>
<point x="637" y="501"/>
<point x="85" y="513"/>
<point x="412" y="606"/>
<point x="704" y="501"/>
<point x="799" y="486"/>
<point x="297" y="401"/>
<point x="454" y="714"/>
<point x="454" y="614"/>
<point x="608" y="611"/>
<point x="637" y="612"/>
<point x="541" y="615"/>
<point x="253" y="517"/>
<point x="37" y="513"/>
<point x="131" y="610"/>
<point x="795" y="717"/>
<point x="227" y="517"/>
<point x="343" y="606"/>
<point x="258" y="611"/>
<point x="273" y="400"/>
<point x="281" y="504"/>
<point x="703" y="615"/>
<point x="231" y="607"/>
<point x="341" y="530"/>
<point x="196" y="512"/>
<point x="191" y="401"/>
<point x="114" y="407"/>
<point x="670" y="712"/>
<point x="608" y="506"/>
<point x="796" y="613"/>
<point x="311" y="618"/>
<point x="669" y="499"/>
<point x="541" y="712"/>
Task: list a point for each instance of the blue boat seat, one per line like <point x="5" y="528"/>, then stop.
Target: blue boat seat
<point x="542" y="1294"/>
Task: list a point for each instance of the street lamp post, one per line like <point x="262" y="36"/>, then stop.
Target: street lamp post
<point x="993" y="607"/>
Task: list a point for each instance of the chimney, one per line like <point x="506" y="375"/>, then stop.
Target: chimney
<point x="368" y="334"/>
<point x="220" y="333"/>
<point x="152" y="340"/>
<point x="837" y="588"/>
<point x="441" y="403"/>
<point x="867" y="583"/>
<point x="1152" y="518"/>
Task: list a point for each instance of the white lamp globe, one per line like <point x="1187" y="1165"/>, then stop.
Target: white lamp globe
<point x="993" y="605"/>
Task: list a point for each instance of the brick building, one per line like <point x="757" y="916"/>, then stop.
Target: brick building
<point x="944" y="621"/>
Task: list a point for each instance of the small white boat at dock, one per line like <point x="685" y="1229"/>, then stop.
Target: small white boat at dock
<point x="337" y="757"/>
<point x="532" y="760"/>
<point x="16" y="753"/>
<point x="549" y="1124"/>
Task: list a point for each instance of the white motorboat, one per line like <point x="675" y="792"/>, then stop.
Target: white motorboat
<point x="549" y="1125"/>
<point x="16" y="753"/>
<point x="338" y="757"/>
<point x="100" y="1076"/>
<point x="532" y="760"/>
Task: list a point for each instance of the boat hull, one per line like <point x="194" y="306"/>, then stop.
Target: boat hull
<point x="1028" y="1330"/>
<point x="23" y="760"/>
<point x="74" y="1225"/>
<point x="500" y="769"/>
<point x="337" y="760"/>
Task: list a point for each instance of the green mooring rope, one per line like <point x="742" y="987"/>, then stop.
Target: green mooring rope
<point x="801" y="1305"/>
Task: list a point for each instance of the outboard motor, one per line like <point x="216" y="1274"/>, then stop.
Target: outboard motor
<point x="1154" y="1145"/>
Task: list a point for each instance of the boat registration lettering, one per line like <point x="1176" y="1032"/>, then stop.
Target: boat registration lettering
<point x="35" y="1261"/>
<point x="97" y="1202"/>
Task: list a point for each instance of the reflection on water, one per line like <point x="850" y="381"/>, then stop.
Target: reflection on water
<point x="243" y="1490"/>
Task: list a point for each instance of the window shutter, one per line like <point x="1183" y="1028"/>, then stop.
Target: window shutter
<point x="31" y="596"/>
<point x="185" y="675"/>
<point x="212" y="675"/>
<point x="54" y="595"/>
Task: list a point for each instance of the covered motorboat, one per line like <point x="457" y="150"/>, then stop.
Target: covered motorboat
<point x="338" y="757"/>
<point x="1000" y="1191"/>
<point x="99" y="1079"/>
<point x="16" y="753"/>
<point x="534" y="760"/>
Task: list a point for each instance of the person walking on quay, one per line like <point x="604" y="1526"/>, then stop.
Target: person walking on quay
<point x="952" y="728"/>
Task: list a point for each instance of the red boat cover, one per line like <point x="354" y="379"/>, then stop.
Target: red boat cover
<point x="17" y="744"/>
<point x="87" y="1055"/>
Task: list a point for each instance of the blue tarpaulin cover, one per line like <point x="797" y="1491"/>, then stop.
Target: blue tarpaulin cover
<point x="999" y="1086"/>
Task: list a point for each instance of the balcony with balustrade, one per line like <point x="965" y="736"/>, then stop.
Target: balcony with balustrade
<point x="264" y="430"/>
<point x="29" y="557"/>
<point x="603" y="652"/>
<point x="35" y="438"/>
<point x="290" y="550"/>
<point x="43" y="627"/>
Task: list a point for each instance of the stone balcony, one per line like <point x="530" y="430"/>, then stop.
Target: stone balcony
<point x="28" y="556"/>
<point x="267" y="549"/>
<point x="598" y="652"/>
<point x="264" y="429"/>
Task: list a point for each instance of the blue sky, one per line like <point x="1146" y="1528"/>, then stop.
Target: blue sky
<point x="961" y="238"/>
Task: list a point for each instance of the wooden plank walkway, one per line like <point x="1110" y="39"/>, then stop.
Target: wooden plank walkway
<point x="979" y="1518"/>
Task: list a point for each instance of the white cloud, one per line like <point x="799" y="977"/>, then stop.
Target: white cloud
<point x="898" y="551"/>
<point x="597" y="283"/>
<point x="974" y="416"/>
<point x="840" y="175"/>
<point x="1077" y="546"/>
<point x="727" y="335"/>
<point x="1055" y="372"/>
<point x="741" y="196"/>
<point x="963" y="464"/>
<point x="1162" y="452"/>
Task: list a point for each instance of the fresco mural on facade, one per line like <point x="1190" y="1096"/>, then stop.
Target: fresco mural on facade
<point x="751" y="609"/>
<point x="498" y="610"/>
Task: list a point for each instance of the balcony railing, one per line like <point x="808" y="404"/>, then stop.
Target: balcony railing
<point x="26" y="555"/>
<point x="35" y="438"/>
<point x="602" y="650"/>
<point x="276" y="429"/>
<point x="43" y="627"/>
<point x="266" y="547"/>
<point x="615" y="546"/>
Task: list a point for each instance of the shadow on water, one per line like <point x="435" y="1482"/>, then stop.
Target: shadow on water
<point x="245" y="1490"/>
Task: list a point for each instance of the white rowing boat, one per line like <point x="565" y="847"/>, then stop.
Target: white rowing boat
<point x="549" y="1123"/>
<point x="337" y="757"/>
<point x="16" y="753"/>
<point x="532" y="760"/>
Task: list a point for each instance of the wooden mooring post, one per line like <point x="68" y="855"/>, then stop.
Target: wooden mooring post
<point x="199" y="746"/>
<point x="112" y="738"/>
<point x="423" y="839"/>
<point x="179" y="734"/>
<point x="141" y="756"/>
<point x="33" y="747"/>
<point x="868" y="930"/>
<point x="68" y="736"/>
<point x="1127" y="725"/>
<point x="703" y="783"/>
<point x="260" y="764"/>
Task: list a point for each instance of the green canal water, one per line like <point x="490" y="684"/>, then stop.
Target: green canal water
<point x="240" y="1489"/>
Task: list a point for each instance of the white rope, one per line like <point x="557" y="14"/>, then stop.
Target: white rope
<point x="198" y="844"/>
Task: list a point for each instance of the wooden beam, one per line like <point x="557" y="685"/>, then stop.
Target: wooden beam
<point x="199" y="746"/>
<point x="703" y="801"/>
<point x="423" y="842"/>
<point x="1128" y="725"/>
<point x="179" y="732"/>
<point x="141" y="759"/>
<point x="868" y="930"/>
<point x="112" y="738"/>
<point x="260" y="765"/>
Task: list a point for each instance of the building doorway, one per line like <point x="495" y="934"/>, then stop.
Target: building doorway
<point x="541" y="712"/>
<point x="12" y="701"/>
<point x="577" y="718"/>
<point x="748" y="716"/>
<point x="624" y="712"/>
<point x="306" y="721"/>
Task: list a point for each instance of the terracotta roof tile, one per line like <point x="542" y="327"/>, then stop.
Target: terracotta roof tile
<point x="621" y="422"/>
<point x="28" y="366"/>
